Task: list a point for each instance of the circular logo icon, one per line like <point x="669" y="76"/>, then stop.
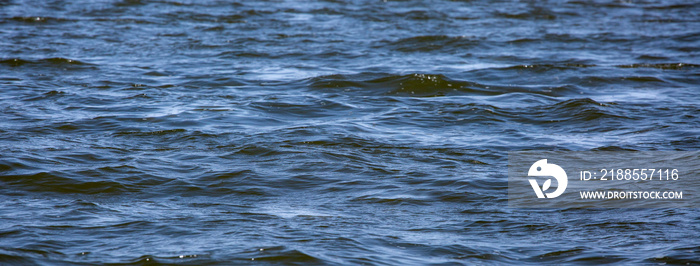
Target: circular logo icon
<point x="544" y="169"/>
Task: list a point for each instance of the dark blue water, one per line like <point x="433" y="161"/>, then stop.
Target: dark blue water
<point x="333" y="132"/>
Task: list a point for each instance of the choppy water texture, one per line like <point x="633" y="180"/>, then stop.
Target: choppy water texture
<point x="351" y="132"/>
